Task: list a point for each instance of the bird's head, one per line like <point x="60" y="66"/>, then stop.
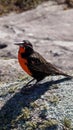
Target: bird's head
<point x="25" y="46"/>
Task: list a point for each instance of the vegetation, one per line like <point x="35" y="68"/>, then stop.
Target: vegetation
<point x="7" y="6"/>
<point x="67" y="123"/>
<point x="48" y="124"/>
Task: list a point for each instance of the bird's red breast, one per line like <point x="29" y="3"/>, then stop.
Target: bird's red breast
<point x="23" y="61"/>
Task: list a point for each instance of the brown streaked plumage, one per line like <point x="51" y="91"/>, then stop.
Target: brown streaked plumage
<point x="34" y="64"/>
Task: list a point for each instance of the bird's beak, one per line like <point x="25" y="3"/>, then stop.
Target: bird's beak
<point x="18" y="43"/>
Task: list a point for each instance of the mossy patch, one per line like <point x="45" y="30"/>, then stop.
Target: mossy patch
<point x="54" y="99"/>
<point x="34" y="105"/>
<point x="12" y="89"/>
<point x="43" y="112"/>
<point x="31" y="125"/>
<point x="48" y="124"/>
<point x="67" y="122"/>
<point x="55" y="86"/>
<point x="25" y="114"/>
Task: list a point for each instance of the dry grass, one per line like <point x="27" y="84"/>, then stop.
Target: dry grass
<point x="7" y="6"/>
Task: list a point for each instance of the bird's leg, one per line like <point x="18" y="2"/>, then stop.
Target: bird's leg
<point x="29" y="82"/>
<point x="28" y="85"/>
<point x="27" y="88"/>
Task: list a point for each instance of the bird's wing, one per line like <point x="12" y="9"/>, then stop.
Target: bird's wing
<point x="39" y="64"/>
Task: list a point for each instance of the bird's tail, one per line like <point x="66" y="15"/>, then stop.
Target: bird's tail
<point x="67" y="75"/>
<point x="64" y="74"/>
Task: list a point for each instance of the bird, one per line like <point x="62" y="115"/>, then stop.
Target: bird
<point x="34" y="64"/>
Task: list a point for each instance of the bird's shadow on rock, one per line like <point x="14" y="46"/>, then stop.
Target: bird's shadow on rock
<point x="13" y="107"/>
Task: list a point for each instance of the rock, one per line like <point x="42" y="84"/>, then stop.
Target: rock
<point x="10" y="71"/>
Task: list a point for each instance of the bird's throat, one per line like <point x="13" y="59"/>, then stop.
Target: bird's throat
<point x="21" y="50"/>
<point x="23" y="61"/>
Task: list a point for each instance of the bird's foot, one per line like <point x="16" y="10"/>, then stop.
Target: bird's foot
<point x="27" y="89"/>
